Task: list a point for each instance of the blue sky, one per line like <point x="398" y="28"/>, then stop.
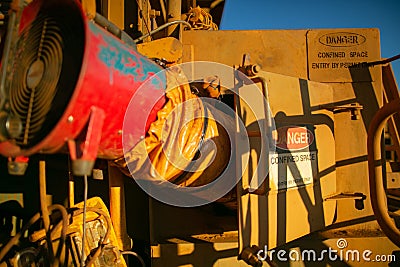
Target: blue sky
<point x="314" y="14"/>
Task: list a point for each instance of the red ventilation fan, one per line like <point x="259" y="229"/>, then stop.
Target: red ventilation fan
<point x="71" y="82"/>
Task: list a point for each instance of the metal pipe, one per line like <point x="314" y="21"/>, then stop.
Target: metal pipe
<point x="42" y="194"/>
<point x="264" y="187"/>
<point x="111" y="27"/>
<point x="71" y="192"/>
<point x="71" y="186"/>
<point x="117" y="207"/>
<point x="174" y="14"/>
<point x="161" y="28"/>
<point x="377" y="190"/>
<point x="163" y="10"/>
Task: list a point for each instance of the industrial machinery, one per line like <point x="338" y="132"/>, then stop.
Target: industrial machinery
<point x="135" y="133"/>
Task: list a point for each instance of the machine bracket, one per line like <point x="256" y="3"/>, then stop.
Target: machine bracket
<point x="84" y="152"/>
<point x="353" y="108"/>
<point x="357" y="196"/>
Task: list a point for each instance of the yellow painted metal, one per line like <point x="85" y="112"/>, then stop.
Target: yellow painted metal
<point x="282" y="52"/>
<point x="340" y="55"/>
<point x="115" y="12"/>
<point x="366" y="251"/>
<point x="113" y="236"/>
<point x="269" y="219"/>
<point x="71" y="192"/>
<point x="174" y="13"/>
<point x="332" y="92"/>
<point x="167" y="48"/>
<point x="305" y="71"/>
<point x="186" y="254"/>
<point x="89" y="6"/>
<point x="355" y="251"/>
<point x="117" y="207"/>
<point x="144" y="23"/>
<point x="359" y="84"/>
<point x="42" y="194"/>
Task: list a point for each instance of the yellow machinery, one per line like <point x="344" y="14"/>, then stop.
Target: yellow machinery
<point x="316" y="186"/>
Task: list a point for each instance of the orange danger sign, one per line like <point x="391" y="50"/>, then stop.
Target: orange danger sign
<point x="293" y="138"/>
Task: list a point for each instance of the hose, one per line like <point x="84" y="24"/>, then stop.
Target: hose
<point x="64" y="225"/>
<point x="14" y="241"/>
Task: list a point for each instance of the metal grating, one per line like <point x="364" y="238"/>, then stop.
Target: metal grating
<point x="36" y="73"/>
<point x="46" y="68"/>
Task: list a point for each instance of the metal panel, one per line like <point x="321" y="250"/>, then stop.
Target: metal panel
<point x="332" y="53"/>
<point x="282" y="52"/>
<point x="286" y="52"/>
<point x="287" y="212"/>
<point x="115" y="12"/>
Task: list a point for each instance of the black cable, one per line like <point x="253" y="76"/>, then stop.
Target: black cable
<point x="14" y="241"/>
<point x="385" y="61"/>
<point x="135" y="255"/>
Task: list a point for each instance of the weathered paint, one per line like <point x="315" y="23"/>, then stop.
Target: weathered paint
<point x="111" y="73"/>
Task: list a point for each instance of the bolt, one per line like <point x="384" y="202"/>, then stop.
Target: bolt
<point x="98" y="174"/>
<point x="70" y="119"/>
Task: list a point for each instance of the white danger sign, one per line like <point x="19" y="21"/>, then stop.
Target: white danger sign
<point x="294" y="169"/>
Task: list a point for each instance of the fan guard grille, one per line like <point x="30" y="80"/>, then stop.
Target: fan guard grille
<point x="47" y="66"/>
